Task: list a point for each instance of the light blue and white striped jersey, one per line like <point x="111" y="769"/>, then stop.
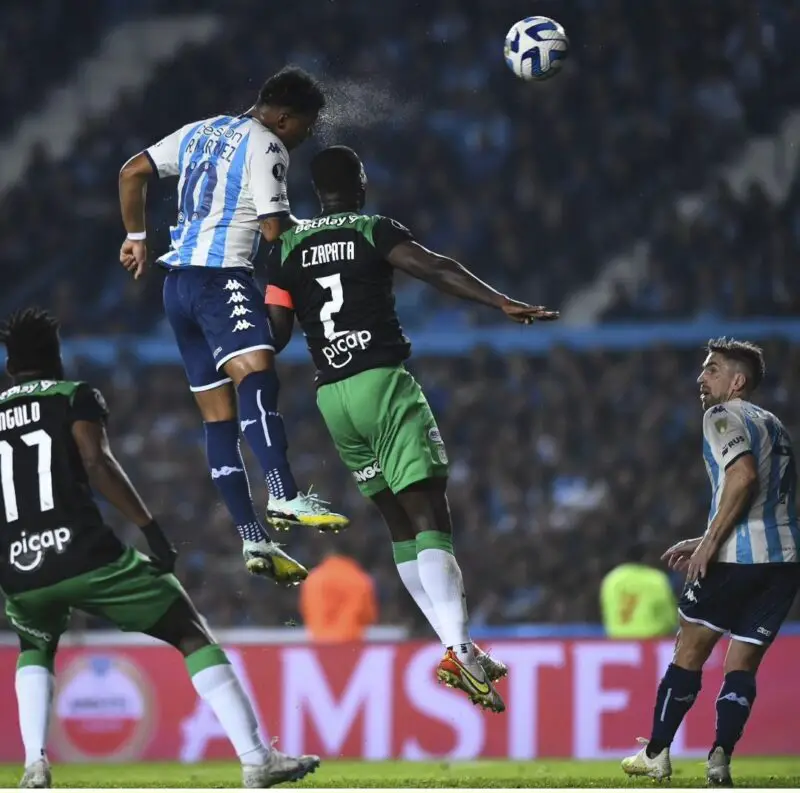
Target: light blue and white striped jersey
<point x="231" y="173"/>
<point x="770" y="531"/>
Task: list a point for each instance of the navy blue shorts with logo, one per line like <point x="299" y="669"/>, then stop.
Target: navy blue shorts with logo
<point x="215" y="314"/>
<point x="749" y="601"/>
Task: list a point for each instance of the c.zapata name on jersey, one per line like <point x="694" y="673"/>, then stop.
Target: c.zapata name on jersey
<point x="340" y="351"/>
<point x="28" y="552"/>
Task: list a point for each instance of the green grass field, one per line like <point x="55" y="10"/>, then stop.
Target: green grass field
<point x="749" y="772"/>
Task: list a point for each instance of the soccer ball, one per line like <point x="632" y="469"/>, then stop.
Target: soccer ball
<point x="536" y="48"/>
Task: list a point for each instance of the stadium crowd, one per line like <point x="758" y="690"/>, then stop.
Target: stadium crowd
<point x="560" y="465"/>
<point x="656" y="95"/>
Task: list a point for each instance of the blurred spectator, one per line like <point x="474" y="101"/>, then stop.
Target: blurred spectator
<point x="637" y="601"/>
<point x="337" y="600"/>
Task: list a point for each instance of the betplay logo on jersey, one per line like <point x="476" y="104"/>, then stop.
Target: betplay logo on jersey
<point x="28" y="552"/>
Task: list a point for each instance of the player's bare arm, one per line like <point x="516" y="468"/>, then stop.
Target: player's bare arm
<point x="273" y="227"/>
<point x="281" y="319"/>
<point x="108" y="478"/>
<point x="451" y="277"/>
<point x="133" y="178"/>
<point x="741" y="484"/>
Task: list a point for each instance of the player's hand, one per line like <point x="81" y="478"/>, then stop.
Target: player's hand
<point x="525" y="314"/>
<point x="133" y="256"/>
<point x="700" y="560"/>
<point x="677" y="556"/>
<point x="163" y="553"/>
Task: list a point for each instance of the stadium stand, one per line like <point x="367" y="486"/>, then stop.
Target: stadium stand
<point x="560" y="459"/>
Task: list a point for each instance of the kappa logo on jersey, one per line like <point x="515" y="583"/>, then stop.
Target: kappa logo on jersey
<point x="240" y="311"/>
<point x="242" y="324"/>
<point x="368" y="473"/>
<point x="233" y="285"/>
<point x="238" y="297"/>
<point x="339" y="352"/>
<point x="28" y="552"/>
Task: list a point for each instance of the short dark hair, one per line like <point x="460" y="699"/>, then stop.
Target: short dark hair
<point x="336" y="169"/>
<point x="31" y="340"/>
<point x="749" y="355"/>
<point x="293" y="88"/>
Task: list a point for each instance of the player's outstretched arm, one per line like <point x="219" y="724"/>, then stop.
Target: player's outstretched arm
<point x="107" y="477"/>
<point x="449" y="276"/>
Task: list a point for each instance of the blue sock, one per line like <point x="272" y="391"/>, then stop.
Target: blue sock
<point x="677" y="692"/>
<point x="734" y="705"/>
<point x="230" y="478"/>
<point x="262" y="427"/>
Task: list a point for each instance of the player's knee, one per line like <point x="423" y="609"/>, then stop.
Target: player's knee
<point x="743" y="657"/>
<point x="693" y="646"/>
<point x="240" y="366"/>
<point x="217" y="404"/>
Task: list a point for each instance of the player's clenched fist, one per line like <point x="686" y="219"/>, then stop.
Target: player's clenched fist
<point x="133" y="256"/>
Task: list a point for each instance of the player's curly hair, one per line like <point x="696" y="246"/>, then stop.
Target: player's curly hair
<point x="336" y="169"/>
<point x="293" y="88"/>
<point x="31" y="340"/>
<point x="749" y="355"/>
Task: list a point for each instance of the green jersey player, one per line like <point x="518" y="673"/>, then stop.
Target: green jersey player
<point x="56" y="554"/>
<point x="335" y="273"/>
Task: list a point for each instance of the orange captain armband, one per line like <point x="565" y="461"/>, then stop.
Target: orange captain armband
<point x="276" y="296"/>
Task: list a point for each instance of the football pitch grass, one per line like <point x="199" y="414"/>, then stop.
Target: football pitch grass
<point x="775" y="772"/>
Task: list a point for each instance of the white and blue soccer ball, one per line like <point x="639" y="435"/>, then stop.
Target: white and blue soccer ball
<point x="536" y="48"/>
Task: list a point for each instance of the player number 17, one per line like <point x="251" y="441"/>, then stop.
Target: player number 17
<point x="44" y="444"/>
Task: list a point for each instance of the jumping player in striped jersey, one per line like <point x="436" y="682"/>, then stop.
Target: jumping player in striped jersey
<point x="744" y="573"/>
<point x="232" y="191"/>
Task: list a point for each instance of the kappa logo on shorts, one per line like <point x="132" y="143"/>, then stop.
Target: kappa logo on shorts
<point x="240" y="311"/>
<point x="242" y="324"/>
<point x="28" y="552"/>
<point x="368" y="473"/>
<point x="238" y="297"/>
<point x="233" y="285"/>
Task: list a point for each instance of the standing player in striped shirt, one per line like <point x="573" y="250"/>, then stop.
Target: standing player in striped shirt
<point x="232" y="191"/>
<point x="744" y="573"/>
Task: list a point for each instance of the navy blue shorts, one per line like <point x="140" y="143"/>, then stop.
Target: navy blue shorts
<point x="749" y="601"/>
<point x="215" y="315"/>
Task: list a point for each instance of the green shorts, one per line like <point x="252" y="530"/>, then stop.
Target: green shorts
<point x="130" y="592"/>
<point x="383" y="429"/>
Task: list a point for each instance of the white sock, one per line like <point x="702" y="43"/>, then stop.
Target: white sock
<point x="441" y="578"/>
<point x="35" y="686"/>
<point x="409" y="575"/>
<point x="221" y="689"/>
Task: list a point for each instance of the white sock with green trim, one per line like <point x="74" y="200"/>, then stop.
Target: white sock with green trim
<point x="441" y="577"/>
<point x="216" y="682"/>
<point x="34" y="683"/>
<point x="405" y="559"/>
